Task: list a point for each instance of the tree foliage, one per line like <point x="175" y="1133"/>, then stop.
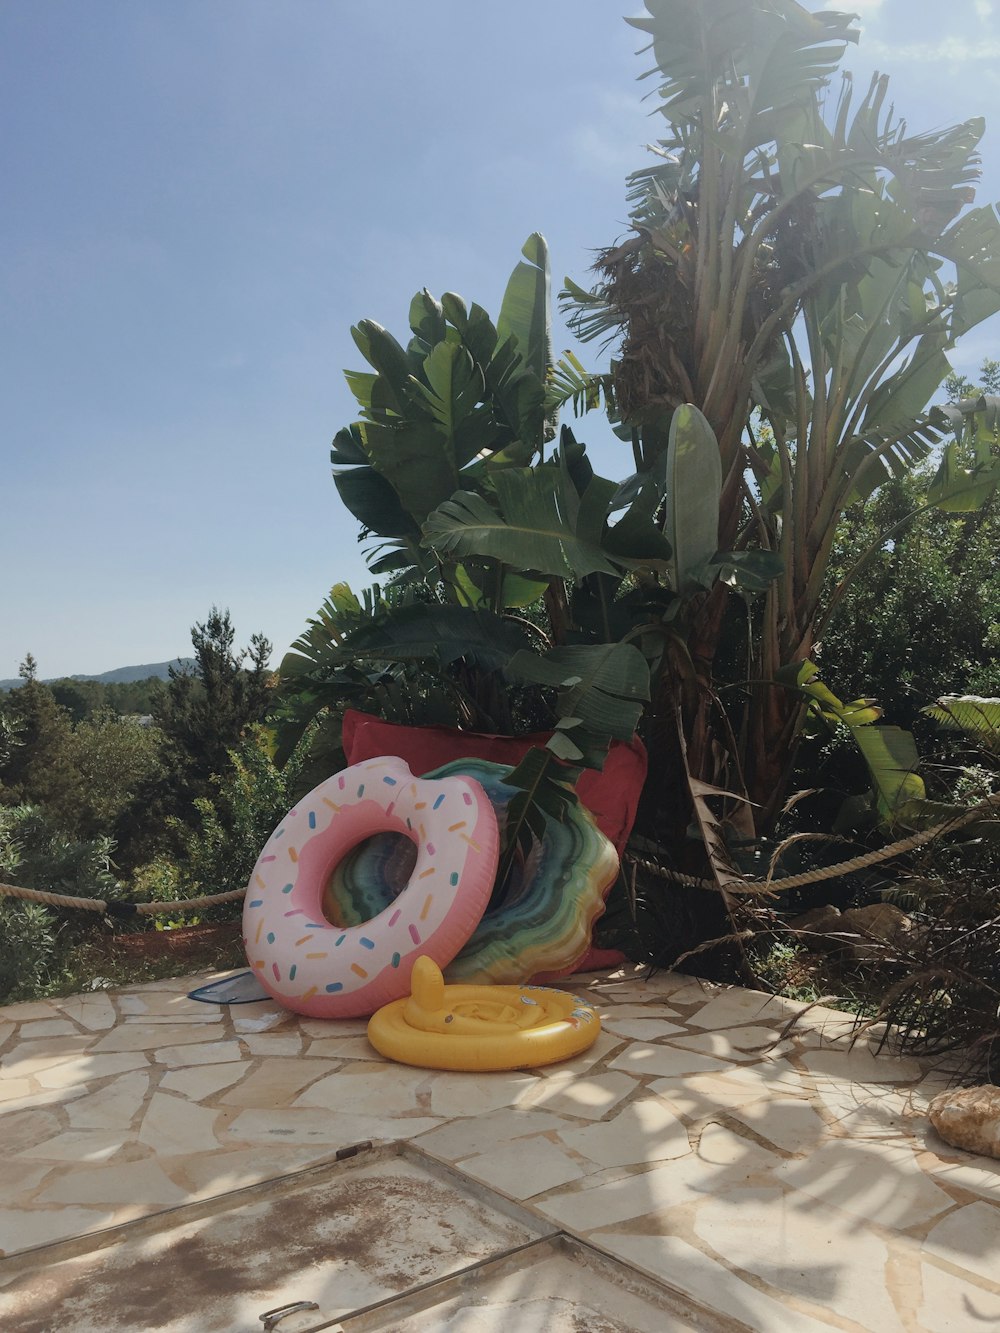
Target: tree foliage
<point x="204" y="710"/>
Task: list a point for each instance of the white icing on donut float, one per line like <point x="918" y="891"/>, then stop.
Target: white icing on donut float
<point x="313" y="966"/>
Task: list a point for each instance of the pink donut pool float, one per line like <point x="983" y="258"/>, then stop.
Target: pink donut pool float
<point x="313" y="966"/>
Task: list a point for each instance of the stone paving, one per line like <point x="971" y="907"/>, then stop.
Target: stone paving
<point x="789" y="1182"/>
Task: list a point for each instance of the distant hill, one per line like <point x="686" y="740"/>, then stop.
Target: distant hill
<point x="121" y="675"/>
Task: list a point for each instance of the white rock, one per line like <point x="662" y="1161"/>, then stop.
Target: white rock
<point x="969" y="1118"/>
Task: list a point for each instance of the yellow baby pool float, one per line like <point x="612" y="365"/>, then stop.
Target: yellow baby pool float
<point x="481" y="1027"/>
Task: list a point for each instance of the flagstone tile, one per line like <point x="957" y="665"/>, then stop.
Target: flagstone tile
<point x="951" y="1303"/>
<point x="327" y="1130"/>
<point x="645" y="1131"/>
<point x="277" y="1082"/>
<point x="879" y="1182"/>
<point x="203" y="1175"/>
<point x="48" y="1027"/>
<point x="260" y="1016"/>
<point x="742" y="1043"/>
<point x="859" y="1065"/>
<point x="152" y="1005"/>
<point x="615" y="1198"/>
<point x="676" y="990"/>
<point x="802" y="1204"/>
<point x="81" y="1070"/>
<point x="463" y="1138"/>
<point x="723" y="1146"/>
<point x="199" y="1053"/>
<point x="112" y="1105"/>
<point x="642" y="1058"/>
<point x="51" y="1097"/>
<point x="207" y="1018"/>
<point x="657" y="1010"/>
<point x="332" y="1027"/>
<point x="27" y="1058"/>
<point x="28" y="1010"/>
<point x="596" y="1054"/>
<point x="362" y="1089"/>
<point x="94" y="1011"/>
<point x="464" y="1094"/>
<point x="140" y="1184"/>
<point x="272" y="1043"/>
<point x="173" y="1125"/>
<point x="632" y="1196"/>
<point x="698" y="1095"/>
<point x="201" y="1081"/>
<point x="592" y="1096"/>
<point x="23" y="1228"/>
<point x="981" y="1175"/>
<point x="790" y="1123"/>
<point x="813" y="1253"/>
<point x="671" y="1259"/>
<point x="870" y="1111"/>
<point x="733" y="1007"/>
<point x="80" y="1146"/>
<point x="22" y="1176"/>
<point x="969" y="1238"/>
<point x="524" y="1169"/>
<point x="641" y="1029"/>
<point x="342" y="1048"/>
<point x="15" y="1089"/>
<point x="155" y="1036"/>
<point x="835" y="1033"/>
<point x="22" y="1129"/>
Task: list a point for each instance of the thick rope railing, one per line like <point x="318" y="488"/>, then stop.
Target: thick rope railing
<point x="767" y="886"/>
<point x="114" y="908"/>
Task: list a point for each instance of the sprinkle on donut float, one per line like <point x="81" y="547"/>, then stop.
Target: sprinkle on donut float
<point x="313" y="966"/>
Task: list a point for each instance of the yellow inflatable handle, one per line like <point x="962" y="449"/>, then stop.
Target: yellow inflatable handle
<point x="481" y="1027"/>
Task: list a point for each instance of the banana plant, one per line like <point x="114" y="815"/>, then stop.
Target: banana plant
<point x="637" y="553"/>
<point x="799" y="256"/>
<point x="463" y="398"/>
<point x="971" y="714"/>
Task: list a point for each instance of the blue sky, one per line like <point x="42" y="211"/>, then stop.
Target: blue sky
<point x="200" y="198"/>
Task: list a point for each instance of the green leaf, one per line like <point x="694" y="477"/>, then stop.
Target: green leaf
<point x="957" y="489"/>
<point x="973" y="245"/>
<point x="435" y="632"/>
<point x="525" y="312"/>
<point x="532" y="531"/>
<point x="427" y="318"/>
<point x="754" y="571"/>
<point x="374" y="503"/>
<point x="416" y="459"/>
<point x="976" y="717"/>
<point x="454" y="385"/>
<point x="348" y="447"/>
<point x="693" y="492"/>
<point x="891" y="756"/>
<point x="604" y="686"/>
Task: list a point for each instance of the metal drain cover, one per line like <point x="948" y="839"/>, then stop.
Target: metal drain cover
<point x="343" y="1236"/>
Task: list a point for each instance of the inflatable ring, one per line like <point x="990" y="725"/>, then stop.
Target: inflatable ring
<point x="543" y="920"/>
<point x="481" y="1027"/>
<point x="313" y="966"/>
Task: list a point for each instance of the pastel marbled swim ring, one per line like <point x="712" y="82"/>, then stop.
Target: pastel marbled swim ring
<point x="313" y="966"/>
<point x="544" y="918"/>
<point x="481" y="1027"/>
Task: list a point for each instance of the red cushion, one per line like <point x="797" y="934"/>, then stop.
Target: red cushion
<point x="611" y="796"/>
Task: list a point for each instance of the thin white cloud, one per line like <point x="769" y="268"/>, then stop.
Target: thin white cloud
<point x="983" y="8"/>
<point x="949" y="50"/>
